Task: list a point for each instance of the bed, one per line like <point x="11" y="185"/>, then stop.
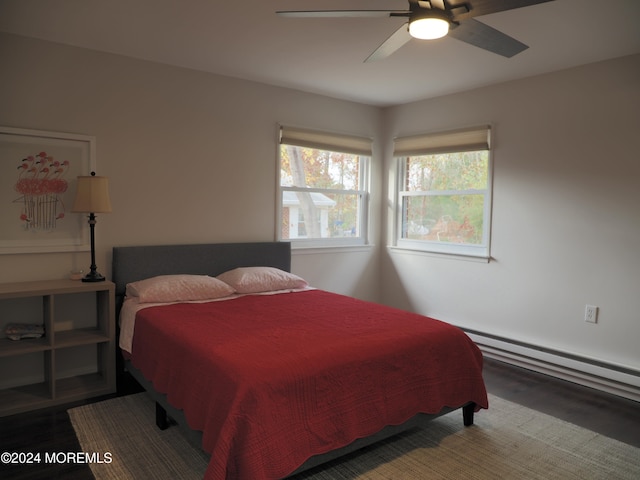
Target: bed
<point x="275" y="382"/>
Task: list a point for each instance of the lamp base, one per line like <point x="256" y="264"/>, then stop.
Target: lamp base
<point x="93" y="277"/>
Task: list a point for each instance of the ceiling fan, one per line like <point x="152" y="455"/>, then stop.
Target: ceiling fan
<point x="430" y="19"/>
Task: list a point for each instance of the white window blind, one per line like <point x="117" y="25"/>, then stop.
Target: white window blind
<point x="325" y="141"/>
<point x="466" y="140"/>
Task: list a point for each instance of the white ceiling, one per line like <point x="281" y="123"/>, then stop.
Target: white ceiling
<point x="245" y="39"/>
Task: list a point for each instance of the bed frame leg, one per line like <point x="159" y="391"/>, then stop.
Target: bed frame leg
<point x="162" y="420"/>
<point x="467" y="414"/>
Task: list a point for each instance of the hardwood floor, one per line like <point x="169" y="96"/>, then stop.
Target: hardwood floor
<point x="609" y="415"/>
<point x="49" y="430"/>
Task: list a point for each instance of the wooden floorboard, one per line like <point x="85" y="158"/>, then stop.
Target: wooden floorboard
<point x="607" y="414"/>
<point x="49" y="430"/>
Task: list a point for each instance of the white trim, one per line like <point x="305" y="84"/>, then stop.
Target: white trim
<point x="455" y="249"/>
<point x="324" y="191"/>
<point x="398" y="249"/>
<point x="326" y="242"/>
<point x="605" y="376"/>
<point x="332" y="249"/>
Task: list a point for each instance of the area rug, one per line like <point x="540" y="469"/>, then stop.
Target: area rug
<point x="507" y="441"/>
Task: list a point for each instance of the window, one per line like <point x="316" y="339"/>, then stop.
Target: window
<point x="323" y="188"/>
<point x="444" y="196"/>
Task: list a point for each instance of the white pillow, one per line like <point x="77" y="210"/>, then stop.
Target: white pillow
<point x="178" y="288"/>
<point x="261" y="279"/>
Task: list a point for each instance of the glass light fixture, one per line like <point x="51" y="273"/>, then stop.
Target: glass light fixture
<point x="429" y="27"/>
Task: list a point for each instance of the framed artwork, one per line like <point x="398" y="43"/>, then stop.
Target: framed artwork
<point x="38" y="176"/>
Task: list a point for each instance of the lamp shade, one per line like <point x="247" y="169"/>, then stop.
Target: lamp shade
<point x="92" y="195"/>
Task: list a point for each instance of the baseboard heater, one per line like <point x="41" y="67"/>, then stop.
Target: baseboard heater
<point x="608" y="377"/>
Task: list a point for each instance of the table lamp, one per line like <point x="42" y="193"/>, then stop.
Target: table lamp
<point x="92" y="197"/>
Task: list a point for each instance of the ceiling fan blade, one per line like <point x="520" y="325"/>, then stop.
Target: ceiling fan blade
<point x="485" y="7"/>
<point x="391" y="44"/>
<point x="343" y="13"/>
<point x="476" y="33"/>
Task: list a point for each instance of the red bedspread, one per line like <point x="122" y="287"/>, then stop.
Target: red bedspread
<point x="273" y="380"/>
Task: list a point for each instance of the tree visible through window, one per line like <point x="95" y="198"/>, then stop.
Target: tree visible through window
<point x="444" y="198"/>
<point x="322" y="198"/>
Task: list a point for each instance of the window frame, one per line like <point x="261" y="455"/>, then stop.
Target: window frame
<point x="455" y="141"/>
<point x="334" y="143"/>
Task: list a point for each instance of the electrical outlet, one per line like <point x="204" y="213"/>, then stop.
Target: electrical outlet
<point x="591" y="314"/>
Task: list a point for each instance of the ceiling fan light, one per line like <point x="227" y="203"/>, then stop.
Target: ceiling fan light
<point x="428" y="28"/>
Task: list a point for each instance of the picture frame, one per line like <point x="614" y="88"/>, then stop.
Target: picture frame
<point x="38" y="178"/>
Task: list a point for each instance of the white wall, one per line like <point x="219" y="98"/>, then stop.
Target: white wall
<point x="189" y="153"/>
<point x="566" y="218"/>
<point x="191" y="156"/>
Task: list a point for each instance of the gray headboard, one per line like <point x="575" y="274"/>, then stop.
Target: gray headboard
<point x="136" y="263"/>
